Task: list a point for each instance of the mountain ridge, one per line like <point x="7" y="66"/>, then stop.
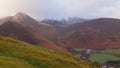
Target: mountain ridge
<point x="95" y="33"/>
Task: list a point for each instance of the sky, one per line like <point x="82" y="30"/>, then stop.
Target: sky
<point x="61" y="9"/>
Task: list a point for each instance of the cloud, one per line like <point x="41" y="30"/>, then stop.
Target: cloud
<point x="58" y="9"/>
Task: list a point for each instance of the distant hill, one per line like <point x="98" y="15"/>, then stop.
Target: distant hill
<point x="64" y="22"/>
<point x="97" y="33"/>
<point x="17" y="54"/>
<point x="54" y="23"/>
<point x="73" y="20"/>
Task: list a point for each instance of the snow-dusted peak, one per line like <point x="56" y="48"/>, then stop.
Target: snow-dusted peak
<point x="21" y="17"/>
<point x="25" y="19"/>
<point x="20" y="14"/>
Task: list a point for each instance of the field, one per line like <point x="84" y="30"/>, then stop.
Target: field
<point x="101" y="56"/>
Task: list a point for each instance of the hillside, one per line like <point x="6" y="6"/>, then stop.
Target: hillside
<point x="96" y="34"/>
<point x="17" y="54"/>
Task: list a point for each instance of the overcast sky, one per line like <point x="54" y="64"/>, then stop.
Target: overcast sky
<point x="59" y="9"/>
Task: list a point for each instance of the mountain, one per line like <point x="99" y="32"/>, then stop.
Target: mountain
<point x="97" y="34"/>
<point x="64" y="22"/>
<point x="74" y="20"/>
<point x="19" y="27"/>
<point x="17" y="54"/>
<point x="55" y="23"/>
<point x="25" y="28"/>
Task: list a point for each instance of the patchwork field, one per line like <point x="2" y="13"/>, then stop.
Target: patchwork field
<point x="101" y="56"/>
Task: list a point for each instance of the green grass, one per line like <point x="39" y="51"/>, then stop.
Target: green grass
<point x="9" y="62"/>
<point x="105" y="55"/>
<point x="79" y="49"/>
<point x="101" y="58"/>
<point x="17" y="54"/>
<point x="111" y="51"/>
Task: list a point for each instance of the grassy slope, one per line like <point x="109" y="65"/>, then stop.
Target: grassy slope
<point x="17" y="54"/>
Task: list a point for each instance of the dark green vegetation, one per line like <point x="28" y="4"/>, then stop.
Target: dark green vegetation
<point x="102" y="56"/>
<point x="17" y="54"/>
